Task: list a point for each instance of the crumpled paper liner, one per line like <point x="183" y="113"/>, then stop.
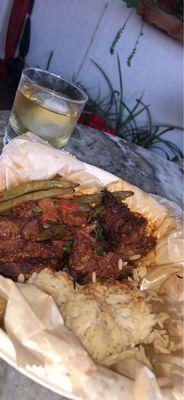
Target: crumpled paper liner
<point x="31" y="158"/>
<point x="36" y="341"/>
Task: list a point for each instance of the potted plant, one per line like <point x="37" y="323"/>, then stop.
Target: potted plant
<point x="166" y="15"/>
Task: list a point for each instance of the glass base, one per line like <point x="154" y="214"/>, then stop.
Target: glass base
<point x="9" y="134"/>
<point x="5" y="139"/>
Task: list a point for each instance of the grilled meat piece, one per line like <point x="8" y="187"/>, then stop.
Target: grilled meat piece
<point x="10" y="246"/>
<point x="72" y="213"/>
<point x="24" y="250"/>
<point x="84" y="260"/>
<point x="42" y="234"/>
<point x="36" y="230"/>
<point x="13" y="269"/>
<point x="11" y="227"/>
<point x="25" y="210"/>
<point x="67" y="211"/>
<point x="44" y="219"/>
<point x="15" y="227"/>
<point x="124" y="231"/>
<point x="31" y="228"/>
<point x="49" y="210"/>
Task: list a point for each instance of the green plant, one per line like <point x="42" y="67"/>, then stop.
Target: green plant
<point x="172" y="7"/>
<point x="123" y="119"/>
<point x="132" y="54"/>
<point x="49" y="60"/>
<point x="119" y="34"/>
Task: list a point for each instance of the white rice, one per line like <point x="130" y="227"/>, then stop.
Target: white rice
<point x="32" y="278"/>
<point x="135" y="257"/>
<point x="94" y="277"/>
<point x="108" y="318"/>
<point x="120" y="264"/>
<point x="21" y="278"/>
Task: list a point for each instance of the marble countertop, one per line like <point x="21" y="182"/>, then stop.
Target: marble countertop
<point x="139" y="166"/>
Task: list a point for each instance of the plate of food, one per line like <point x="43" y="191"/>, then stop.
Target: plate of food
<point x="90" y="277"/>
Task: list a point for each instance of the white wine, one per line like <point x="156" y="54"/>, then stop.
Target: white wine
<point x="46" y="113"/>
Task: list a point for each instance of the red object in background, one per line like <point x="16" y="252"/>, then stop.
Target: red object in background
<point x="19" y="12"/>
<point x="168" y="3"/>
<point x="97" y="122"/>
<point x="16" y="22"/>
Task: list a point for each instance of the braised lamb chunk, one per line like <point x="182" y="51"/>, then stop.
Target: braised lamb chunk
<point x="27" y="267"/>
<point x="10" y="246"/>
<point x="41" y="231"/>
<point x="11" y="227"/>
<point x="72" y="213"/>
<point x="30" y="249"/>
<point x="66" y="211"/>
<point x="27" y="209"/>
<point x="87" y="257"/>
<point x="94" y="236"/>
<point x="33" y="230"/>
<point x="124" y="231"/>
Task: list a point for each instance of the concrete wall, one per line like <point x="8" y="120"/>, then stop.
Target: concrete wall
<point x="80" y="30"/>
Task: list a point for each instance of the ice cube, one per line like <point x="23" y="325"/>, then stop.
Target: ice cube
<point x="60" y="106"/>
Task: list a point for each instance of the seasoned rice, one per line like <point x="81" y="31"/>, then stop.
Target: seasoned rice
<point x="109" y="318"/>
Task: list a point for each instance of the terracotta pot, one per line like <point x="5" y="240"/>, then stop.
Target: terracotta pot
<point x="169" y="23"/>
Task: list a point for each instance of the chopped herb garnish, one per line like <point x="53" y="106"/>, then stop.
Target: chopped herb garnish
<point x="67" y="246"/>
<point x="99" y="234"/>
<point x="99" y="250"/>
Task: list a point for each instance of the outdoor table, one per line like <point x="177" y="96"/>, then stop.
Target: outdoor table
<point x="140" y="167"/>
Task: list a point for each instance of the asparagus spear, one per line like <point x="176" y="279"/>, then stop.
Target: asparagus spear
<point x="14" y="202"/>
<point x="35" y="186"/>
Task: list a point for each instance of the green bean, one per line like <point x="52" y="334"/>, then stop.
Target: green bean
<point x="35" y="186"/>
<point x="55" y="193"/>
<point x="97" y="197"/>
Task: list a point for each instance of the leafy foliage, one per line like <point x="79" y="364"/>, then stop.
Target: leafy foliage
<point x="132" y="54"/>
<point x="119" y="34"/>
<point x="172" y="7"/>
<point x="123" y="119"/>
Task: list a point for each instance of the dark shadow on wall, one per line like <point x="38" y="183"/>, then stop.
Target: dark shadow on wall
<point x="8" y="87"/>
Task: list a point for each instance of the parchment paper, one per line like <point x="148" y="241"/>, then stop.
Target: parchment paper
<point x="34" y="338"/>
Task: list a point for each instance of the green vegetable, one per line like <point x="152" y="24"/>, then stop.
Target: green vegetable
<point x="99" y="234"/>
<point x="97" y="197"/>
<point x="35" y="186"/>
<point x="99" y="249"/>
<point x="56" y="193"/>
<point x="67" y="246"/>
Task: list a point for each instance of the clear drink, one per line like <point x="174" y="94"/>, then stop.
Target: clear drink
<point x="46" y="108"/>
